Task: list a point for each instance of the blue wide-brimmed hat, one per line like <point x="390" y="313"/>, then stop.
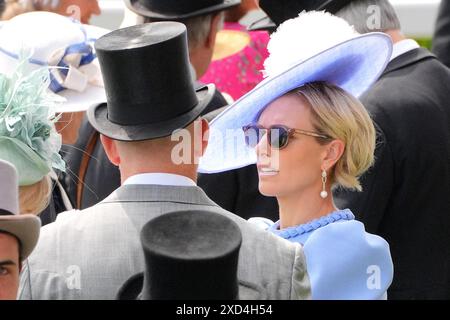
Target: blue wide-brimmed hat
<point x="315" y="46"/>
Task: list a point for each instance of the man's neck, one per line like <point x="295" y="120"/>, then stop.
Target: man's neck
<point x="200" y="58"/>
<point x="125" y="174"/>
<point x="396" y="35"/>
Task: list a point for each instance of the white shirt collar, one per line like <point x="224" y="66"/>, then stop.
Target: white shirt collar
<point x="402" y="47"/>
<point x="164" y="179"/>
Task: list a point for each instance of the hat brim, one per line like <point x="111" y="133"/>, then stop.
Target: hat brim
<point x="262" y="24"/>
<point x="353" y="65"/>
<point x="81" y="101"/>
<point x="98" y="117"/>
<point x="229" y="43"/>
<point x="25" y="227"/>
<point x="138" y="8"/>
<point x="131" y="289"/>
<point x="75" y="101"/>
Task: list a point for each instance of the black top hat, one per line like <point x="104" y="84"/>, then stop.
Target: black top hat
<point x="279" y="11"/>
<point x="188" y="255"/>
<point x="149" y="88"/>
<point x="178" y="9"/>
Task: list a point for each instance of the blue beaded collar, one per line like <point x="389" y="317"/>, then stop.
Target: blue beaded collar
<point x="315" y="224"/>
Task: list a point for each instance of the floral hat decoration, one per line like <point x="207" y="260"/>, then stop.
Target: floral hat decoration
<point x="62" y="44"/>
<point x="28" y="137"/>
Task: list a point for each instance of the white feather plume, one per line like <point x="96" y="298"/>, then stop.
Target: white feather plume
<point x="300" y="38"/>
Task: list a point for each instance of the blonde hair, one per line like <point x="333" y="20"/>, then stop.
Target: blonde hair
<point x="36" y="197"/>
<point x="339" y="115"/>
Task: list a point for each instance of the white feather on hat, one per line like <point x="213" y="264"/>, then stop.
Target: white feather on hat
<point x="299" y="39"/>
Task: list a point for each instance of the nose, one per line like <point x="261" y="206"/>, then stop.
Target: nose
<point x="263" y="148"/>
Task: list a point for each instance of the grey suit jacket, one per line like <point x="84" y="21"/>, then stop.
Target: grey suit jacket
<point x="88" y="254"/>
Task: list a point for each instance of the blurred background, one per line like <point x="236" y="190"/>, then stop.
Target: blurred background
<point x="417" y="17"/>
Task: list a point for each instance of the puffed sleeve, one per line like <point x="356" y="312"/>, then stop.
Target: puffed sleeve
<point x="346" y="262"/>
<point x="260" y="222"/>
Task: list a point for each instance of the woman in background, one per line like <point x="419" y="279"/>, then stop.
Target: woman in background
<point x="238" y="54"/>
<point x="28" y="138"/>
<point x="82" y="10"/>
<point x="66" y="47"/>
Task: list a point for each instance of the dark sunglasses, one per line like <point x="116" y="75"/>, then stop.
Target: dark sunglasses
<point x="277" y="135"/>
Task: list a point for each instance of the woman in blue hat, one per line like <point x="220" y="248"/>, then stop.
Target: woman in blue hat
<point x="310" y="135"/>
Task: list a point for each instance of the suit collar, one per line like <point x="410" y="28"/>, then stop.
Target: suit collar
<point x="160" y="193"/>
<point x="402" y="47"/>
<point x="159" y="178"/>
<point x="408" y="58"/>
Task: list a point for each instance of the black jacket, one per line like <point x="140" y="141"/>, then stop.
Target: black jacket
<point x="406" y="195"/>
<point x="441" y="39"/>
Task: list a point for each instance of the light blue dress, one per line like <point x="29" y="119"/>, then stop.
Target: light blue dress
<point x="343" y="260"/>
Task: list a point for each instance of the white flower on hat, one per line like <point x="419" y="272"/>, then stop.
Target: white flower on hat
<point x="301" y="38"/>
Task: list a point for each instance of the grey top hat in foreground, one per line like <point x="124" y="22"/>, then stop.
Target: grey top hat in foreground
<point x="188" y="255"/>
<point x="24" y="227"/>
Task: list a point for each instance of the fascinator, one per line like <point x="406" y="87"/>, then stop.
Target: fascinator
<point x="28" y="138"/>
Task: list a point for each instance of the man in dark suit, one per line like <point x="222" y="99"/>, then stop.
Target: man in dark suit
<point x="92" y="177"/>
<point x="405" y="196"/>
<point x="441" y="39"/>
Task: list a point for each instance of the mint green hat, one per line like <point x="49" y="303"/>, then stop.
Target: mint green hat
<point x="28" y="137"/>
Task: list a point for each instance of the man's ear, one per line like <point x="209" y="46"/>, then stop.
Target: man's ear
<point x="333" y="153"/>
<point x="205" y="135"/>
<point x="214" y="28"/>
<point x="110" y="149"/>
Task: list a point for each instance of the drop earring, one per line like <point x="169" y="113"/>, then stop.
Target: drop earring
<point x="324" y="193"/>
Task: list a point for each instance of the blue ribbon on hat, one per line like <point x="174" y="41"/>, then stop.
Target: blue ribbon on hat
<point x="84" y="48"/>
<point x="87" y="57"/>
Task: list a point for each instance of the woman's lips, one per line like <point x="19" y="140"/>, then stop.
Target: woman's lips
<point x="267" y="171"/>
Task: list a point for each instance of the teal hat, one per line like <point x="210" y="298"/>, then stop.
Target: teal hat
<point x="28" y="137"/>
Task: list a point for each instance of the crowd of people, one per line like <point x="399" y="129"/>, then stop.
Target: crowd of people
<point x="186" y="157"/>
